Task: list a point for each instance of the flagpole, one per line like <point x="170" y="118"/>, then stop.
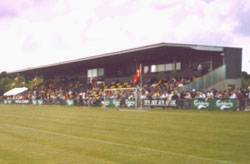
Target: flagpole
<point x="140" y="86"/>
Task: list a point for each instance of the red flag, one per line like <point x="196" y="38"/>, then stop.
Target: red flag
<point x="137" y="75"/>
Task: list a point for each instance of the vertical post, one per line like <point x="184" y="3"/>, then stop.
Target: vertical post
<point x="204" y="81"/>
<point x="104" y="99"/>
<point x="174" y="65"/>
<point x="136" y="100"/>
<point x="140" y="86"/>
<point x="197" y="85"/>
<point x="211" y="64"/>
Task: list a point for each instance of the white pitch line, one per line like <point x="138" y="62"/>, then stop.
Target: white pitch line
<point x="120" y="144"/>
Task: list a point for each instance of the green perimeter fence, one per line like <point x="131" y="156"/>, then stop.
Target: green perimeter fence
<point x="199" y="104"/>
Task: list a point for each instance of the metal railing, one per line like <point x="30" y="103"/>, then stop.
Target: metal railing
<point x="207" y="80"/>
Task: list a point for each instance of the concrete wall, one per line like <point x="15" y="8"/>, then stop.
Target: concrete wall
<point x="224" y="84"/>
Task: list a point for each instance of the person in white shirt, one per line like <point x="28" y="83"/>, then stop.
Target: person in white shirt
<point x="218" y="95"/>
<point x="199" y="67"/>
<point x="232" y="95"/>
<point x="200" y="95"/>
<point x="164" y="96"/>
<point x="210" y="94"/>
<point x="188" y="96"/>
<point x="143" y="96"/>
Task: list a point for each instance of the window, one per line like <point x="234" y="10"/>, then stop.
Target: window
<point x="90" y="73"/>
<point x="95" y="72"/>
<point x="178" y="66"/>
<point x="169" y="67"/>
<point x="146" y="69"/>
<point x="153" y="68"/>
<point x="165" y="67"/>
<point x="161" y="68"/>
<point x="101" y="72"/>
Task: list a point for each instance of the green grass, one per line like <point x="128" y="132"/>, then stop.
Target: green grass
<point x="65" y="135"/>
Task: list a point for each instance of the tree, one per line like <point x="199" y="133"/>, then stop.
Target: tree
<point x="33" y="82"/>
<point x="245" y="79"/>
<point x="3" y="74"/>
<point x="18" y="81"/>
<point x="5" y="84"/>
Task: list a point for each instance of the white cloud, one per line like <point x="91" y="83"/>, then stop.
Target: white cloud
<point x="59" y="30"/>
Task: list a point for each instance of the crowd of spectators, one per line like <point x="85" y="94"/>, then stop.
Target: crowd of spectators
<point x="52" y="90"/>
<point x="83" y="93"/>
<point x="193" y="94"/>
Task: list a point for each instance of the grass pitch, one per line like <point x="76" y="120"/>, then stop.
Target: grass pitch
<point x="69" y="135"/>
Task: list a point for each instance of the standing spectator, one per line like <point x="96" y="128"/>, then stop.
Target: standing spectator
<point x="219" y="95"/>
<point x="248" y="97"/>
<point x="210" y="94"/>
<point x="187" y="101"/>
<point x="181" y="100"/>
<point x="241" y="99"/>
<point x="193" y="94"/>
<point x="175" y="98"/>
<point x="199" y="67"/>
<point x="245" y="93"/>
<point x="200" y="95"/>
<point x="232" y="95"/>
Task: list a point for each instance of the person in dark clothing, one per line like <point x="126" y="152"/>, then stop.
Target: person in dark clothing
<point x="181" y="100"/>
<point x="241" y="98"/>
<point x="81" y="100"/>
<point x="246" y="93"/>
<point x="175" y="98"/>
<point x="193" y="93"/>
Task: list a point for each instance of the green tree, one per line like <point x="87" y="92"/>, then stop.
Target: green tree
<point x="245" y="79"/>
<point x="3" y="74"/>
<point x="32" y="83"/>
<point x="18" y="81"/>
<point x="5" y="84"/>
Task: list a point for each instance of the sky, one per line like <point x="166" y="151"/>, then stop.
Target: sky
<point x="40" y="32"/>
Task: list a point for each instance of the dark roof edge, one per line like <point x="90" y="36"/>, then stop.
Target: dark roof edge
<point x="92" y="57"/>
<point x="192" y="46"/>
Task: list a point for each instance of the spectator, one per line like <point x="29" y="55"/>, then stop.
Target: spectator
<point x="241" y="99"/>
<point x="232" y="95"/>
<point x="210" y="94"/>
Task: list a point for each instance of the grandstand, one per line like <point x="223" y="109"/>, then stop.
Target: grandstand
<point x="221" y="64"/>
<point x="166" y="69"/>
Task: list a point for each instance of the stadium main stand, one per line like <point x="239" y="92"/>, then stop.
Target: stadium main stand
<point x="169" y="71"/>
